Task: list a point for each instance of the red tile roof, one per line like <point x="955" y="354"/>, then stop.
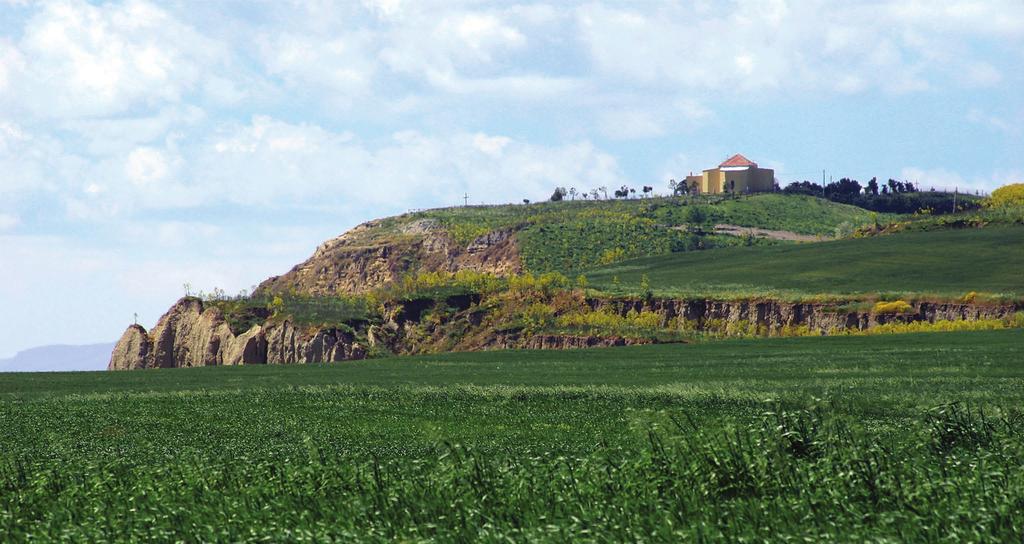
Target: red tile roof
<point x="738" y="160"/>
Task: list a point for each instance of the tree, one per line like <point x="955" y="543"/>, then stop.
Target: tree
<point x="803" y="188"/>
<point x="558" y="195"/>
<point x="647" y="189"/>
<point x="604" y="191"/>
<point x="843" y="190"/>
<point x="673" y="185"/>
<point x="872" y="188"/>
<point x="572" y="192"/>
<point x="526" y="201"/>
<point x="893" y="184"/>
<point x="632" y="192"/>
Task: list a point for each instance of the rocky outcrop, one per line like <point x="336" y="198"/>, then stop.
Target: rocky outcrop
<point x="131" y="351"/>
<point x="287" y="345"/>
<point x="248" y="348"/>
<point x="561" y="341"/>
<point x="363" y="258"/>
<point x="191" y="335"/>
<point x="774" y="315"/>
<point x="188" y="336"/>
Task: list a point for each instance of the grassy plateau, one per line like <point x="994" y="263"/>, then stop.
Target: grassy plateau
<point x="903" y="438"/>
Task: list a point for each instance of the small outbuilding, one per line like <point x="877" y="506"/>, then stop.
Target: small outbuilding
<point x="737" y="175"/>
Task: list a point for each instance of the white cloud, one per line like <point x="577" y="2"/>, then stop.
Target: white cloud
<point x="146" y="165"/>
<point x="111" y="136"/>
<point x="271" y="162"/>
<point x="108" y="59"/>
<point x="342" y="64"/>
<point x="491" y="145"/>
<point x="630" y="124"/>
<point x="479" y="35"/>
<point x="384" y="9"/>
<point x="625" y="122"/>
<point x="810" y="45"/>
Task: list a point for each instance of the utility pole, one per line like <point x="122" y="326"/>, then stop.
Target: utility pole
<point x="955" y="190"/>
<point x="822" y="183"/>
<point x="465" y="199"/>
<point x="136" y="318"/>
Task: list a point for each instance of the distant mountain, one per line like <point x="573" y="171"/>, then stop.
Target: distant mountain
<point x="59" y="358"/>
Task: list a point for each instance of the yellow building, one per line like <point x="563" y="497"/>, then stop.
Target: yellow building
<point x="737" y="175"/>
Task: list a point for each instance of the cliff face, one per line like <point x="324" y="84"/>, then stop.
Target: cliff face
<point x="361" y="259"/>
<point x="190" y="334"/>
<point x="774" y="315"/>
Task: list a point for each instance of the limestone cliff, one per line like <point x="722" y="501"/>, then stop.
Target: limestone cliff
<point x="363" y="258"/>
<point x="190" y="334"/>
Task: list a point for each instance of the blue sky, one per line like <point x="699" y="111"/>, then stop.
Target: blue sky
<point x="144" y="145"/>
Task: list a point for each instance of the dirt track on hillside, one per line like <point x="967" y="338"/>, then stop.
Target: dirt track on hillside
<point x="736" y="230"/>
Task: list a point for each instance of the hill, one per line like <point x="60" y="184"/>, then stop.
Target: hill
<point x="781" y="439"/>
<point x="552" y="236"/>
<point x="949" y="262"/>
<point x="59" y="358"/>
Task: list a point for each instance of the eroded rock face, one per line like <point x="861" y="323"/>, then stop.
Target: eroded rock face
<point x="190" y="335"/>
<point x="775" y="315"/>
<point x="288" y="345"/>
<point x="132" y="350"/>
<point x="360" y="260"/>
<point x="248" y="348"/>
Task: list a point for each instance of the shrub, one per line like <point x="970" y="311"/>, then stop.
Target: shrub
<point x="892" y="307"/>
<point x="938" y="326"/>
<point x="538" y="317"/>
<point x="1007" y="196"/>
<point x="612" y="255"/>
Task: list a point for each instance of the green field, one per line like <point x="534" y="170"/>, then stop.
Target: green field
<point x="942" y="262"/>
<point x="833" y="438"/>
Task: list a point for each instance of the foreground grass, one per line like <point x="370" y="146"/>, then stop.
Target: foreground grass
<point x="818" y="438"/>
<point x="943" y="262"/>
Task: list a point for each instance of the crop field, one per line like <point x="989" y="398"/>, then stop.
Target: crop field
<point x="901" y="438"/>
<point x="943" y="262"/>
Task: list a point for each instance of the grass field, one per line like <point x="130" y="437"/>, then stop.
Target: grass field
<point x="944" y="262"/>
<point x="837" y="438"/>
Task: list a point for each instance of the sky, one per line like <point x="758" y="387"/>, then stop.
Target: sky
<point x="146" y="145"/>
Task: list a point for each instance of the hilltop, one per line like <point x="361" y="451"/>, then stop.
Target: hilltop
<point x="564" y="237"/>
